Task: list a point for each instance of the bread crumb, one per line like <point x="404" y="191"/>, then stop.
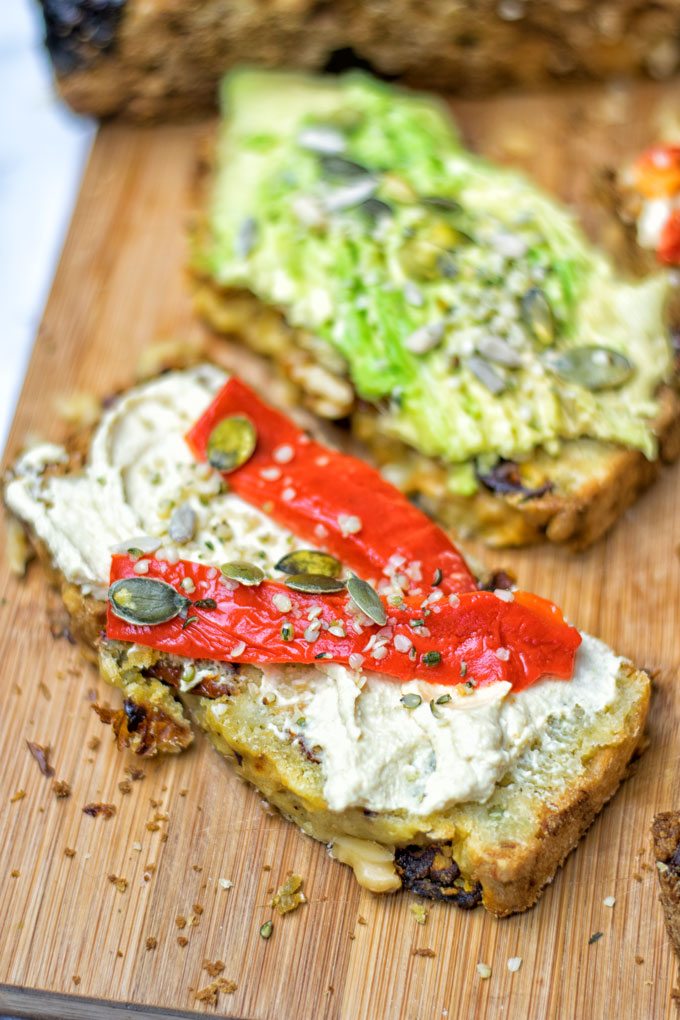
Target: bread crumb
<point x="420" y="912"/>
<point x="181" y="921"/>
<point x="15" y="873"/>
<point x="151" y="942"/>
<point x="61" y="789"/>
<point x="137" y="847"/>
<point x="361" y="919"/>
<point x="183" y="792"/>
<point x="42" y="756"/>
<point x="484" y="971"/>
<point x="429" y="953"/>
<point x="120" y="883"/>
<point x="609" y="901"/>
<point x="514" y="963"/>
<point x="135" y="773"/>
<point x="290" y="896"/>
<point x="76" y="979"/>
<point x="94" y="743"/>
<point x="96" y="809"/>
<point x="197" y="908"/>
<point x="213" y="968"/>
<point x="125" y="786"/>
<point x="197" y="868"/>
<point x="225" y="883"/>
<point x="69" y="851"/>
<point x="44" y="690"/>
<point x="182" y="941"/>
<point x="210" y="993"/>
<point x="639" y="959"/>
<point x="19" y="795"/>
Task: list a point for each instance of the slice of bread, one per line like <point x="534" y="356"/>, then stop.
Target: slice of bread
<point x="594" y="482"/>
<point x="503" y="851"/>
<point x="500" y="845"/>
<point x="165" y="58"/>
<point x="666" y="844"/>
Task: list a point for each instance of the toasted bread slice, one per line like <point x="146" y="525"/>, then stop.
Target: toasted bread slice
<point x="594" y="483"/>
<point x="666" y="844"/>
<point x="495" y="829"/>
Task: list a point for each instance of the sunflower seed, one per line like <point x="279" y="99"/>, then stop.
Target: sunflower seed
<point x="426" y="338"/>
<point x="486" y="374"/>
<point x="595" y="368"/>
<point x="538" y="316"/>
<point x="314" y="584"/>
<point x="350" y="195"/>
<point x="340" y="167"/>
<point x="366" y="599"/>
<point x="146" y="601"/>
<point x="321" y="138"/>
<point x="245" y="238"/>
<point x="309" y="561"/>
<point x="231" y="443"/>
<point x="493" y="348"/>
<point x="182" y="526"/>
<point x="243" y="572"/>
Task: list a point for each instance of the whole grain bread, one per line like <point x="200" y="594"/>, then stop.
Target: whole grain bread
<point x="666" y="843"/>
<point x="164" y="57"/>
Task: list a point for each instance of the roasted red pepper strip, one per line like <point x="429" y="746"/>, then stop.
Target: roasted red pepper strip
<point x="472" y="633"/>
<point x="669" y="245"/>
<point x="316" y="492"/>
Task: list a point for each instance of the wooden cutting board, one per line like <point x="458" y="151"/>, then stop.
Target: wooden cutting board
<point x="72" y="944"/>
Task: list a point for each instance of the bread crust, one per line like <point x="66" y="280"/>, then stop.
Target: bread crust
<point x="666" y="844"/>
<point x="165" y="57"/>
<point x="572" y="515"/>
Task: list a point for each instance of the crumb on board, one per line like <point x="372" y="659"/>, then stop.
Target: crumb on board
<point x="137" y="846"/>
<point x="94" y="743"/>
<point x="125" y="786"/>
<point x="211" y="992"/>
<point x="198" y="868"/>
<point x="61" y="789"/>
<point x="429" y="953"/>
<point x="609" y="901"/>
<point x="182" y="941"/>
<point x="181" y="921"/>
<point x="41" y="753"/>
<point x="135" y="773"/>
<point x="639" y="959"/>
<point x="19" y="795"/>
<point x="595" y="937"/>
<point x="15" y="873"/>
<point x="361" y="919"/>
<point x="289" y="896"/>
<point x="197" y="908"/>
<point x="484" y="971"/>
<point x="151" y="942"/>
<point x="420" y="912"/>
<point x="120" y="883"/>
<point x="514" y="963"/>
<point x="225" y="883"/>
<point x="98" y="808"/>
<point x="213" y="968"/>
<point x="44" y="690"/>
<point x="183" y="792"/>
<point x="76" y="979"/>
<point x="69" y="851"/>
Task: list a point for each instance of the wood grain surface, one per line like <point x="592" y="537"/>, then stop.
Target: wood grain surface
<point x="71" y="943"/>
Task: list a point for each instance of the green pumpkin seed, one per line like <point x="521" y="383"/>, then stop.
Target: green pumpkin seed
<point x="440" y="202"/>
<point x="538" y="316"/>
<point x="309" y="561"/>
<point x="595" y="368"/>
<point x="487" y="375"/>
<point x="243" y="572"/>
<point x="146" y="601"/>
<point x="432" y="658"/>
<point x="314" y="584"/>
<point x="344" y="169"/>
<point x="367" y="600"/>
<point x="267" y="929"/>
<point x="374" y="209"/>
<point x="443" y="699"/>
<point x="411" y="700"/>
<point x="231" y="443"/>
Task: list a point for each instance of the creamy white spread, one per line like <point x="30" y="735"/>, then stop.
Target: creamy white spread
<point x="374" y="752"/>
<point x="654" y="214"/>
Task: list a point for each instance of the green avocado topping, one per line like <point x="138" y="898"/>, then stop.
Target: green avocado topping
<point x="463" y="300"/>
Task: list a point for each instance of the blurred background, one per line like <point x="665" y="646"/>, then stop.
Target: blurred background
<point x="44" y="149"/>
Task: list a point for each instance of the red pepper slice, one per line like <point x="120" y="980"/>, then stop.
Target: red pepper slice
<point x="669" y="245"/>
<point x="320" y="495"/>
<point x="657" y="171"/>
<point x="476" y="637"/>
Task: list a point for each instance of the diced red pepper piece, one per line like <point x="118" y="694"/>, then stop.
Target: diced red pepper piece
<point x="657" y="171"/>
<point x="669" y="245"/>
<point x="477" y="637"/>
<point x="335" y="502"/>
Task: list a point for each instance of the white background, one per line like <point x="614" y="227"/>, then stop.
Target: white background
<point x="43" y="149"/>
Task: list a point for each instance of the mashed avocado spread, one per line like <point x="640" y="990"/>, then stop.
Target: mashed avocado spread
<point x="467" y="304"/>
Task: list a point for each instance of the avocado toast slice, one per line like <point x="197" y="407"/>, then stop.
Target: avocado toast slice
<point x="487" y="355"/>
<point x="465" y="795"/>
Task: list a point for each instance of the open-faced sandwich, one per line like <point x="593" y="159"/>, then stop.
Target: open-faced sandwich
<point x="490" y="359"/>
<point x="330" y="640"/>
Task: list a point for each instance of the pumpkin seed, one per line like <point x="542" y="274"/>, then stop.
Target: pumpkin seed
<point x="538" y="316"/>
<point x="441" y="202"/>
<point x="374" y="209"/>
<point x="443" y="699"/>
<point x="314" y="584"/>
<point x="493" y="348"/>
<point x="243" y="572"/>
<point x="432" y="658"/>
<point x="411" y="700"/>
<point x="309" y="561"/>
<point x="367" y="600"/>
<point x="486" y="374"/>
<point x="231" y="443"/>
<point x="182" y="526"/>
<point x="595" y="368"/>
<point x="340" y="167"/>
<point x="322" y="138"/>
<point x="146" y="601"/>
<point x="267" y="929"/>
